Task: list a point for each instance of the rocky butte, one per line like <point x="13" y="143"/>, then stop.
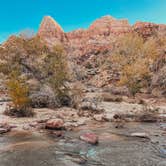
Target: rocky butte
<point x="51" y="31"/>
<point x="89" y="46"/>
<point x="97" y="37"/>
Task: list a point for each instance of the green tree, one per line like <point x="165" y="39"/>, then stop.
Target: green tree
<point x="57" y="72"/>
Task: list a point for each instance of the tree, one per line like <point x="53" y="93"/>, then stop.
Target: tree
<point x="18" y="91"/>
<point x="57" y="73"/>
<point x="134" y="57"/>
<point x="35" y="60"/>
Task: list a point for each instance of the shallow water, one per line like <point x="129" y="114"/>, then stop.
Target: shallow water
<point x="116" y="147"/>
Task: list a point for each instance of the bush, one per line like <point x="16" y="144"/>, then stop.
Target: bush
<point x="56" y="71"/>
<point x="48" y="66"/>
<point x="18" y="92"/>
<point x="77" y="95"/>
<point x="43" y="98"/>
<point x="134" y="57"/>
<point x="28" y="112"/>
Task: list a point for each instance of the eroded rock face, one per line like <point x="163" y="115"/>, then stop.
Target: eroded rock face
<point x="107" y="25"/>
<point x="51" y="31"/>
<point x="145" y="29"/>
<point x="94" y="44"/>
<point x="97" y="39"/>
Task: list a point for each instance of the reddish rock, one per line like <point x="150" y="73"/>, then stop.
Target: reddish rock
<point x="107" y="25"/>
<point x="93" y="46"/>
<point x="97" y="39"/>
<point x="51" y="31"/>
<point x="54" y="124"/>
<point x="145" y="29"/>
<point x="89" y="138"/>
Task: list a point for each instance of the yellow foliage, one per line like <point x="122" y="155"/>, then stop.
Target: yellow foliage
<point x="134" y="57"/>
<point x="18" y="91"/>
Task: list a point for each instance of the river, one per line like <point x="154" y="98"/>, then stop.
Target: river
<point x="116" y="147"/>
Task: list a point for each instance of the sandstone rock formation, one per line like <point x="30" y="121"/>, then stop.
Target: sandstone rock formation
<point x="107" y="25"/>
<point x="88" y="47"/>
<point x="97" y="39"/>
<point x="51" y="31"/>
<point x="145" y="29"/>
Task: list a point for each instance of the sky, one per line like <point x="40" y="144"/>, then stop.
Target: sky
<point x="18" y="15"/>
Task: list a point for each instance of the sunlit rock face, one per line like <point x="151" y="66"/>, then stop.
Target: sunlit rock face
<point x="97" y="38"/>
<point x="90" y="47"/>
<point x="51" y="31"/>
<point x="145" y="29"/>
<point x="108" y="25"/>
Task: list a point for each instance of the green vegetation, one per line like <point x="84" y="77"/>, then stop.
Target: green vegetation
<point x="34" y="60"/>
<point x="56" y="70"/>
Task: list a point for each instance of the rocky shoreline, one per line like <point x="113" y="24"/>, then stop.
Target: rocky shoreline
<point x="65" y="119"/>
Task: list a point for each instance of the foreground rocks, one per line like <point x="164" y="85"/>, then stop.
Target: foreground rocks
<point x="4" y="128"/>
<point x="140" y="135"/>
<point x="100" y="117"/>
<point x="55" y="124"/>
<point x="89" y="138"/>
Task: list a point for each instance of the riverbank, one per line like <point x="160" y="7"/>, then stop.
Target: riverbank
<point x="117" y="128"/>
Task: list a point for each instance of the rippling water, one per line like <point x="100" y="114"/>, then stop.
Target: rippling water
<point x="116" y="148"/>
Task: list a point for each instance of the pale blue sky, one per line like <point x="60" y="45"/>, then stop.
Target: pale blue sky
<point x="16" y="15"/>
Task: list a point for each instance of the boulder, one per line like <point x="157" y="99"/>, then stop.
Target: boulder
<point x="4" y="128"/>
<point x="89" y="138"/>
<point x="100" y="117"/>
<point x="55" y="124"/>
<point x="140" y="135"/>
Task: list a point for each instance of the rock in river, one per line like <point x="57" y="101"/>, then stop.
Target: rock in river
<point x="141" y="135"/>
<point x="89" y="138"/>
<point x="4" y="128"/>
<point x="55" y="124"/>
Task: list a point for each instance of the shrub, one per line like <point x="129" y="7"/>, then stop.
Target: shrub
<point x="134" y="57"/>
<point x="49" y="66"/>
<point x="77" y="94"/>
<point x="18" y="91"/>
<point x="56" y="71"/>
<point x="43" y="98"/>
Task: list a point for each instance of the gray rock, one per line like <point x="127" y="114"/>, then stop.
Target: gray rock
<point x="141" y="135"/>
